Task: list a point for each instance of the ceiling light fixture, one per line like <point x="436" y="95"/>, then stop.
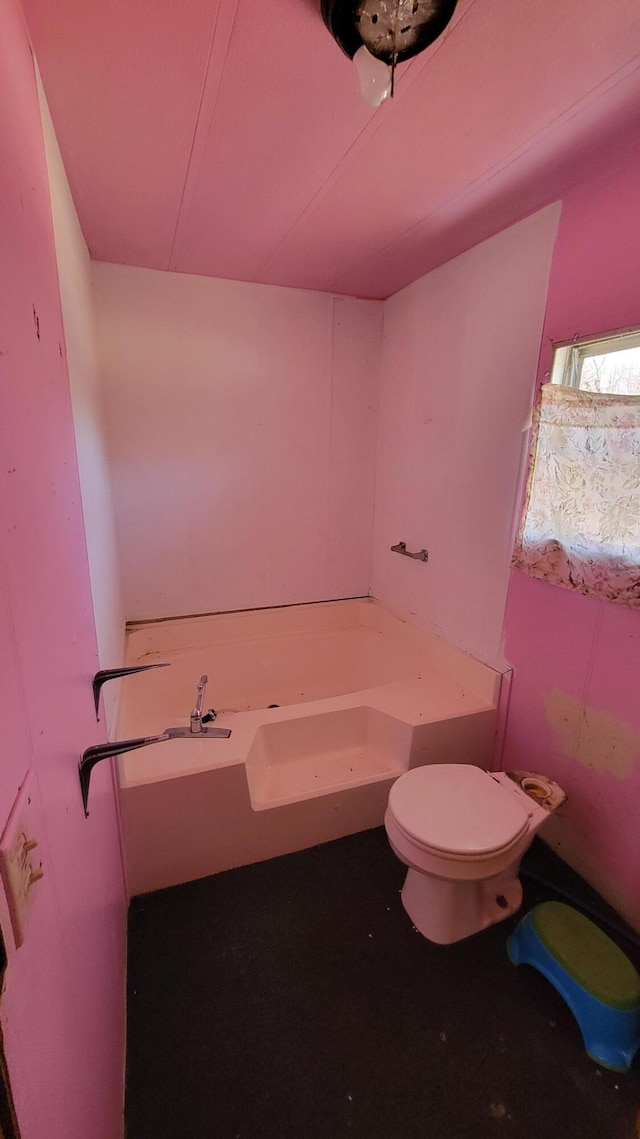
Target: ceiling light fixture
<point x="378" y="34"/>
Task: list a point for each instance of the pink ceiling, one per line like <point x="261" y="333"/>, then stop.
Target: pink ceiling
<point x="227" y="137"/>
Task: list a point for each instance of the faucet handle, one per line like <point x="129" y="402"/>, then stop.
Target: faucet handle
<point x="209" y="716"/>
<point x="195" y="716"/>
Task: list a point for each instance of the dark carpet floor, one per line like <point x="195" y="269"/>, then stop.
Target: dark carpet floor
<point x="294" y="1000"/>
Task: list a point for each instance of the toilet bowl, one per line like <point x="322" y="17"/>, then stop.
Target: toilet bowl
<point x="462" y="832"/>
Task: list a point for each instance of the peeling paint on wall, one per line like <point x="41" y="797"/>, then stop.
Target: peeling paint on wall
<point x="596" y="739"/>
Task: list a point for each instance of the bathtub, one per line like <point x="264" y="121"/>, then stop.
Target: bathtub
<point x="358" y="696"/>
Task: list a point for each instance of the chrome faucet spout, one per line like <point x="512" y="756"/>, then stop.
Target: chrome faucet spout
<point x="195" y="718"/>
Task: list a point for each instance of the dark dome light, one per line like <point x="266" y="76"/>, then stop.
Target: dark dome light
<point x="391" y="30"/>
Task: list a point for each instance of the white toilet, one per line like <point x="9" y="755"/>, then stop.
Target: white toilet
<point x="462" y="832"/>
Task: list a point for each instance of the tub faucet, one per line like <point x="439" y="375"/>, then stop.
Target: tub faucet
<point x="198" y="726"/>
<point x="196" y="719"/>
<point x="99" y="752"/>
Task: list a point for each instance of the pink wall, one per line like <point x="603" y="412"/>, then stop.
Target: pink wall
<point x="459" y="360"/>
<point x="62" y="1009"/>
<point x="241" y="432"/>
<point x="575" y="707"/>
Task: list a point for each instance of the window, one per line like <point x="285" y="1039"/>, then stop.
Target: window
<point x="581" y="524"/>
<point x="610" y="364"/>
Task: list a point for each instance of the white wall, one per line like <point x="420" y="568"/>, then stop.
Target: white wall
<point x="86" y="397"/>
<point x="241" y="433"/>
<point x="458" y="370"/>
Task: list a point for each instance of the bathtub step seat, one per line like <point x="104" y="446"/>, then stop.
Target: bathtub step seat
<point x="322" y="774"/>
<point x="296" y="759"/>
<point x="595" y="978"/>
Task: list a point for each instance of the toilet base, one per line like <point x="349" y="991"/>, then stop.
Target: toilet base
<point x="445" y="910"/>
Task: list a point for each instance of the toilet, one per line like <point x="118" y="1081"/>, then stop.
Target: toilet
<point x="462" y="832"/>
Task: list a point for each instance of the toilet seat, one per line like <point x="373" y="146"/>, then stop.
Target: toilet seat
<point x="456" y="811"/>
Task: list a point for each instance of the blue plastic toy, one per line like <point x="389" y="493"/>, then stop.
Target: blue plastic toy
<point x="595" y="978"/>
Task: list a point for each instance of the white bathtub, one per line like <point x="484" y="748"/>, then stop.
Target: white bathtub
<point x="362" y="696"/>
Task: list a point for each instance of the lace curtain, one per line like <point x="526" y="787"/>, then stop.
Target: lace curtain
<point x="581" y="524"/>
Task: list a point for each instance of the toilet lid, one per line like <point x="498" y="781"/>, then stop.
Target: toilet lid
<point x="456" y="809"/>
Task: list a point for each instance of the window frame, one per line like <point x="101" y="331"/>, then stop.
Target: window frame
<point x="569" y="355"/>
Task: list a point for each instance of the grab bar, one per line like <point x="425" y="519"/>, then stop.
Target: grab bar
<point x="419" y="555"/>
